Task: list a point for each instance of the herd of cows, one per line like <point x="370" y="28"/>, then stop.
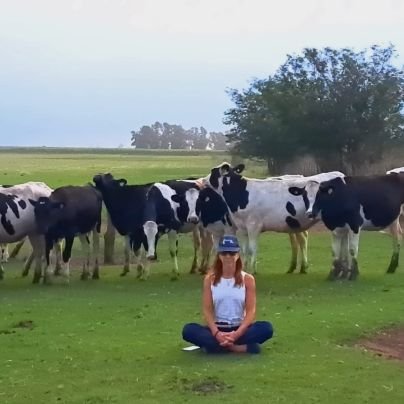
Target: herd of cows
<point x="223" y="202"/>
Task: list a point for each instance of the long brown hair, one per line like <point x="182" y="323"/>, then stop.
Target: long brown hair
<point x="217" y="271"/>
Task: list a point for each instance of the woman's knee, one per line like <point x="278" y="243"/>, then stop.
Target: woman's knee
<point x="189" y="330"/>
<point x="266" y="329"/>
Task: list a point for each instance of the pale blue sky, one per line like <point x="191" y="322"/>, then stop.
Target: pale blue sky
<point x="85" y="73"/>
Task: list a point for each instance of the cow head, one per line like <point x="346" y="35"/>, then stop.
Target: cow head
<point x="189" y="198"/>
<point x="210" y="206"/>
<point x="107" y="181"/>
<point x="217" y="174"/>
<point x="150" y="229"/>
<point x="47" y="213"/>
<point x="326" y="195"/>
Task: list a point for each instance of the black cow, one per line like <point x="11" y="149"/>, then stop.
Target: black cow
<point x="126" y="205"/>
<point x="68" y="212"/>
<point x="356" y="203"/>
<point x="171" y="209"/>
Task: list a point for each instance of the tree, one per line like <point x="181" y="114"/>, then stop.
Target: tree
<point x="343" y="107"/>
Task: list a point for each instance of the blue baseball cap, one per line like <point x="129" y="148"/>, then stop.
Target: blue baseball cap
<point x="228" y="243"/>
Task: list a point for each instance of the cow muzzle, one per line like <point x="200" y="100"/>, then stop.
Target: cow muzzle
<point x="193" y="219"/>
<point x="152" y="257"/>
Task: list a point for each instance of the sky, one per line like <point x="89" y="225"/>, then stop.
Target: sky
<point x="85" y="73"/>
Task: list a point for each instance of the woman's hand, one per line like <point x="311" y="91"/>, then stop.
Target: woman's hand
<point x="223" y="339"/>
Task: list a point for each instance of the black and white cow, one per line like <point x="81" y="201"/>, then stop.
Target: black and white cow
<point x="68" y="212"/>
<point x="272" y="204"/>
<point x="215" y="218"/>
<point x="4" y="254"/>
<point x="171" y="209"/>
<point x="125" y="205"/>
<point x="17" y="218"/>
<point x="350" y="204"/>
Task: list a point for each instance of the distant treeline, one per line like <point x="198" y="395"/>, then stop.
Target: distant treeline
<point x="168" y="136"/>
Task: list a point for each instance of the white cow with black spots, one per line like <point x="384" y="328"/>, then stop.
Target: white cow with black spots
<point x="17" y="219"/>
<point x="260" y="205"/>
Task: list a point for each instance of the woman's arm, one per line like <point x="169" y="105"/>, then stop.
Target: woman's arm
<point x="250" y="302"/>
<point x="207" y="304"/>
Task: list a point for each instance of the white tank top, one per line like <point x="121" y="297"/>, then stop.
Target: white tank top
<point x="229" y="301"/>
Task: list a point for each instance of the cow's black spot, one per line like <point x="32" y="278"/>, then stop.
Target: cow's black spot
<point x="305" y="199"/>
<point x="290" y="208"/>
<point x="8" y="201"/>
<point x="214" y="177"/>
<point x="292" y="222"/>
<point x="235" y="192"/>
<point x="22" y="204"/>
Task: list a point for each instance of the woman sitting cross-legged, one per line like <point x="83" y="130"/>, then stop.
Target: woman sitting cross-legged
<point x="228" y="307"/>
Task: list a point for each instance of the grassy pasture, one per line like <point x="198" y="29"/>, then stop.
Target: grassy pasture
<point x="117" y="340"/>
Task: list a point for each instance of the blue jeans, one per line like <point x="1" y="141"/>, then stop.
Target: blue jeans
<point x="200" y="335"/>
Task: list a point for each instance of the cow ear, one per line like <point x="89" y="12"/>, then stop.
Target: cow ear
<point x="122" y="182"/>
<point x="176" y="198"/>
<point x="224" y="169"/>
<point x="239" y="168"/>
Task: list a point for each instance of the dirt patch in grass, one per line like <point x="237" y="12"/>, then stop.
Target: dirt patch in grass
<point x="205" y="386"/>
<point x="29" y="324"/>
<point x="388" y="343"/>
<point x="209" y="386"/>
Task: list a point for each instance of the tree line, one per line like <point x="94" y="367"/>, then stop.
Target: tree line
<point x="172" y="136"/>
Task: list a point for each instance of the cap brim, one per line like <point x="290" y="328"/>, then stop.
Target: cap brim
<point x="228" y="249"/>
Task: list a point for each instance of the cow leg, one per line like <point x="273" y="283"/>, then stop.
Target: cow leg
<point x="27" y="264"/>
<point x="96" y="250"/>
<point x="345" y="260"/>
<point x="337" y="264"/>
<point x="17" y="248"/>
<point x="85" y="245"/>
<point x="243" y="240"/>
<point x="207" y="244"/>
<point x="294" y="245"/>
<point x="4" y="253"/>
<point x="173" y="247"/>
<point x="252" y="249"/>
<point x="353" y="242"/>
<point x="39" y="248"/>
<point x="126" y="253"/>
<point x="196" y="237"/>
<point x="140" y="262"/>
<point x="67" y="253"/>
<point x="303" y="239"/>
<point x="58" y="248"/>
<point x="397" y="235"/>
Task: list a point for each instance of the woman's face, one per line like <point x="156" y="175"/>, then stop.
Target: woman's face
<point x="228" y="258"/>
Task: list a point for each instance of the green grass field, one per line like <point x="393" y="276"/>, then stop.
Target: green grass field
<point x="118" y="340"/>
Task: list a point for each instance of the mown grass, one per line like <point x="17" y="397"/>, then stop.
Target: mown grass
<point x="117" y="340"/>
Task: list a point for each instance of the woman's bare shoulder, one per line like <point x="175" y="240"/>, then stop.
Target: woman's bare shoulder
<point x="249" y="279"/>
<point x="208" y="278"/>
